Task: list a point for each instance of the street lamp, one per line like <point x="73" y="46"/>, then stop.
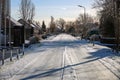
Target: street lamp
<point x="117" y="20"/>
<point x="0" y="19"/>
<point x="84" y="13"/>
<point x="84" y="16"/>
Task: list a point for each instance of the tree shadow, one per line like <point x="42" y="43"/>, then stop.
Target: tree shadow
<point x="93" y="56"/>
<point x="53" y="72"/>
<point x="101" y="53"/>
<point x="57" y="44"/>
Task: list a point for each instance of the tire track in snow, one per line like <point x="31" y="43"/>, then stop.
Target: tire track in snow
<point x="63" y="64"/>
<point x="67" y="57"/>
<point x="71" y="62"/>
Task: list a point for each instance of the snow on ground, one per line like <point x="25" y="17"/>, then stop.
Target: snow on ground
<point x="106" y="57"/>
<point x="103" y="54"/>
<point x="64" y="37"/>
<point x="10" y="68"/>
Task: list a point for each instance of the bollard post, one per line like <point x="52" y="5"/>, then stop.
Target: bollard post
<point x="93" y="44"/>
<point x="17" y="53"/>
<point x="23" y="48"/>
<point x="11" y="55"/>
<point x="3" y="56"/>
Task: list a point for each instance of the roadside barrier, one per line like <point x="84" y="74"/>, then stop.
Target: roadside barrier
<point x="9" y="52"/>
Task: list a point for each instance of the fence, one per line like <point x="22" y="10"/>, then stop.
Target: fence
<point x="9" y="53"/>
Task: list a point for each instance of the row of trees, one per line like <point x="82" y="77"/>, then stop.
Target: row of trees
<point x="27" y="12"/>
<point x="109" y="12"/>
<point x="72" y="27"/>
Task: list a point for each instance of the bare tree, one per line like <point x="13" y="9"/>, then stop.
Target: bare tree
<point x="27" y="10"/>
<point x="83" y="23"/>
<point x="27" y="13"/>
<point x="52" y="25"/>
<point x="81" y="19"/>
<point x="70" y="27"/>
<point x="78" y="27"/>
<point x="110" y="9"/>
<point x="61" y="23"/>
<point x="32" y="11"/>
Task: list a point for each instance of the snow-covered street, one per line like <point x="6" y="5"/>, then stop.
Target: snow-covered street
<point x="64" y="57"/>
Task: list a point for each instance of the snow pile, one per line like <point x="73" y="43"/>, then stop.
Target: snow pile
<point x="64" y="37"/>
<point x="51" y="37"/>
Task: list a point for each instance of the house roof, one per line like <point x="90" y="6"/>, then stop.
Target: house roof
<point x="14" y="21"/>
<point x="28" y="25"/>
<point x="32" y="25"/>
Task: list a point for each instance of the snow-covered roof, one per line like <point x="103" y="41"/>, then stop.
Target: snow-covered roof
<point x="15" y="22"/>
<point x="32" y="25"/>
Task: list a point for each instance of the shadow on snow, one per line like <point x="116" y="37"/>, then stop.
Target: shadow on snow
<point x="57" y="44"/>
<point x="102" y="53"/>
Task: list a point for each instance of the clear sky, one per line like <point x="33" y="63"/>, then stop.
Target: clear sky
<point x="66" y="9"/>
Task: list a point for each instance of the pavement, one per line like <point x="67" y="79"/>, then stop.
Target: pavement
<point x="64" y="60"/>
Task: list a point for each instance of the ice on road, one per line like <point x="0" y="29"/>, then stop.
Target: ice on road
<point x="63" y="57"/>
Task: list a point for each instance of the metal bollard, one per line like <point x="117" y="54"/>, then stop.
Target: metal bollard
<point x="17" y="53"/>
<point x="3" y="56"/>
<point x="11" y="55"/>
<point x="23" y="48"/>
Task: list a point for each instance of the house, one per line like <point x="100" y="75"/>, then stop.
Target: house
<point x="17" y="32"/>
<point x="28" y="29"/>
<point x="13" y="32"/>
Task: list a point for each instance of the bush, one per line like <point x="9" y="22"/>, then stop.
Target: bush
<point x="34" y="40"/>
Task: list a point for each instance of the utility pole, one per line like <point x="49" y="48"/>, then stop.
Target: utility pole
<point x="117" y="23"/>
<point x="0" y="19"/>
<point x="9" y="22"/>
<point x="84" y="18"/>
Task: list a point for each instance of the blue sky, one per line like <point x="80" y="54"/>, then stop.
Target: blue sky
<point x="66" y="9"/>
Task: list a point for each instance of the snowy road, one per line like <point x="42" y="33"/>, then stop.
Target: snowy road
<point x="66" y="58"/>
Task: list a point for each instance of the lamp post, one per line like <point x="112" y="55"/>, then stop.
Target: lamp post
<point x="84" y="13"/>
<point x="117" y="13"/>
<point x="0" y="19"/>
<point x="84" y="16"/>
